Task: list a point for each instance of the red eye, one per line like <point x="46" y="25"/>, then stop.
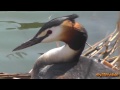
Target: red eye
<point x="49" y="32"/>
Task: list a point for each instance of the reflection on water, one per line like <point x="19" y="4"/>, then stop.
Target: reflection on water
<point x="24" y="26"/>
<point x="30" y="25"/>
<point x="18" y="27"/>
<point x="16" y="54"/>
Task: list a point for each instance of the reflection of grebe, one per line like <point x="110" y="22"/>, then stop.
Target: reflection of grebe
<point x="61" y="62"/>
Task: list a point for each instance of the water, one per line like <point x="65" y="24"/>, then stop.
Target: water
<point x="18" y="27"/>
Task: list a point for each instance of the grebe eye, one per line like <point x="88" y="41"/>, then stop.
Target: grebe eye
<point x="49" y="32"/>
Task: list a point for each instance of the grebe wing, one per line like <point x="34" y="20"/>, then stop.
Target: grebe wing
<point x="84" y="68"/>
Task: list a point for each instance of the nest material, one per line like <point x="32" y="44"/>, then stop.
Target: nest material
<point x="105" y="49"/>
<point x="15" y="76"/>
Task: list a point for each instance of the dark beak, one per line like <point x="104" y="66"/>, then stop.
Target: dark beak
<point x="30" y="43"/>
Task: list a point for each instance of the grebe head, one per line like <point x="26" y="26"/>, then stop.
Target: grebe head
<point x="59" y="29"/>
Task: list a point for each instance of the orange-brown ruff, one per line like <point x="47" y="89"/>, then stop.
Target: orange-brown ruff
<point x="69" y="30"/>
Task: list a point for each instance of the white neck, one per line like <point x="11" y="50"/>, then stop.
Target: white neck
<point x="61" y="54"/>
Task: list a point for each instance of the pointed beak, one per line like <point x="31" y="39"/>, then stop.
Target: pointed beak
<point x="30" y="43"/>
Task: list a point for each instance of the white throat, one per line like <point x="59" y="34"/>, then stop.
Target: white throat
<point x="63" y="53"/>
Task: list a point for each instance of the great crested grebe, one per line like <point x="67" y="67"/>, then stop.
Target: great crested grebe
<point x="64" y="62"/>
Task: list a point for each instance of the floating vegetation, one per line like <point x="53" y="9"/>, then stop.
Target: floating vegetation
<point x="30" y="25"/>
<point x="25" y="25"/>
